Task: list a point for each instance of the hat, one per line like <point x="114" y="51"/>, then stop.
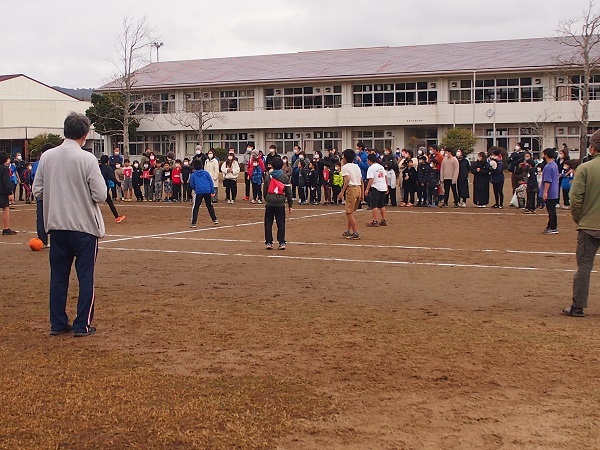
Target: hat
<point x="254" y="152"/>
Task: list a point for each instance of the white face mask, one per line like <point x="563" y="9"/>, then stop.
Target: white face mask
<point x="210" y="156"/>
<point x="255" y="164"/>
<point x="249" y="149"/>
<point x="136" y="166"/>
<point x="152" y="157"/>
<point x="186" y="163"/>
<point x="198" y="152"/>
<point x="230" y="157"/>
<point x="19" y="158"/>
<point x="118" y="166"/>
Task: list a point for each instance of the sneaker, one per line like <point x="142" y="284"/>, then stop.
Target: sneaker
<point x="259" y="201"/>
<point x="383" y="223"/>
<point x="216" y="222"/>
<point x="550" y="231"/>
<point x="269" y="247"/>
<point x="281" y="247"/>
<point x="346" y="234"/>
<point x="83" y="333"/>
<point x="120" y="219"/>
<point x="252" y="201"/>
<point x="573" y="312"/>
<point x="500" y="207"/>
<point x="63" y="331"/>
<point x="528" y="211"/>
<point x="8" y="232"/>
<point x="456" y="205"/>
<point x="373" y="223"/>
<point x="566" y="207"/>
<point x="246" y="198"/>
<point x="354" y="236"/>
<point x="193" y="225"/>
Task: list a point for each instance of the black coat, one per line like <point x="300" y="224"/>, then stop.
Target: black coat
<point x="423" y="174"/>
<point x="481" y="182"/>
<point x="462" y="183"/>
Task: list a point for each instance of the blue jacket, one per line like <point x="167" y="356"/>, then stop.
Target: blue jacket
<point x="201" y="182"/>
<point x="361" y="160"/>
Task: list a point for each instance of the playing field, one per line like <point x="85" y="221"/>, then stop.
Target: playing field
<point x="441" y="331"/>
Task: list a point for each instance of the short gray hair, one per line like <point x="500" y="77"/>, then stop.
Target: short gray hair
<point x="595" y="141"/>
<point x="77" y="125"/>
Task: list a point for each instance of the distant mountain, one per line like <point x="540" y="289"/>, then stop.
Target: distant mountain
<point x="80" y="93"/>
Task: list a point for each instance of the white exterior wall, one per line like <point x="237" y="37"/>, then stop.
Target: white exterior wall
<point x="400" y="120"/>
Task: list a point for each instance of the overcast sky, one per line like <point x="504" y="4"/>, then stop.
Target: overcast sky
<point x="71" y="44"/>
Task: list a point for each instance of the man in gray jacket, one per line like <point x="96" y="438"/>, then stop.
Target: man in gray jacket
<point x="72" y="186"/>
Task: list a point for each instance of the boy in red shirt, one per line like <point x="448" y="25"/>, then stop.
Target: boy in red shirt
<point x="127" y="180"/>
<point x="176" y="179"/>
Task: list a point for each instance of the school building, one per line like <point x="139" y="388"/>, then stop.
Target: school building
<point x="29" y="107"/>
<point x="399" y="97"/>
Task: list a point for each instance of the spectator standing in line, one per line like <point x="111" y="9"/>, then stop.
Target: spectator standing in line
<point x="6" y="193"/>
<point x="462" y="183"/>
<point x="550" y="190"/>
<point x="449" y="176"/>
<point x="73" y="218"/>
<point x="497" y="178"/>
<point x="585" y="210"/>
<point x="514" y="166"/>
<point x="247" y="163"/>
<point x="481" y="180"/>
<point x="231" y="170"/>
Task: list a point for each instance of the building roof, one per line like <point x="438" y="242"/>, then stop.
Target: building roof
<point x="357" y="63"/>
<point x="8" y="77"/>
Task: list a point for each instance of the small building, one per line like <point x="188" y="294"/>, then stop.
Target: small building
<point x="29" y="107"/>
<point x="399" y="97"/>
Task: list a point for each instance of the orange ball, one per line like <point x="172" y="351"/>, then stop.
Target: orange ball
<point x="36" y="244"/>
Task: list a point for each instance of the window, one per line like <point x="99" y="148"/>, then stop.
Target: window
<point x="160" y="144"/>
<point x="303" y="97"/>
<point x="378" y="139"/>
<point x="154" y="103"/>
<point x="571" y="88"/>
<point x="220" y="100"/>
<point x="230" y="139"/>
<point x="395" y="94"/>
<point x="283" y="140"/>
<point x="499" y="90"/>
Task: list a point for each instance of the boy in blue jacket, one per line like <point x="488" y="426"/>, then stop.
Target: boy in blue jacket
<point x="202" y="185"/>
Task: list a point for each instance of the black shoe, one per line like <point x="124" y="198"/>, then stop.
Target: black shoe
<point x="573" y="312"/>
<point x="63" y="331"/>
<point x="90" y="330"/>
<point x="8" y="232"/>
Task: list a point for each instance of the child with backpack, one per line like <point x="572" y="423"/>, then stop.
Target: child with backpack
<point x="277" y="191"/>
<point x="257" y="181"/>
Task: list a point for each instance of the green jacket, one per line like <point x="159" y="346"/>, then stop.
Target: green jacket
<point x="585" y="195"/>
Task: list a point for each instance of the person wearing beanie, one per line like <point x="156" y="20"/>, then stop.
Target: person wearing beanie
<point x="277" y="190"/>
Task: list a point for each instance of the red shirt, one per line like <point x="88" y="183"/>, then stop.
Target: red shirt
<point x="127" y="172"/>
<point x="176" y="175"/>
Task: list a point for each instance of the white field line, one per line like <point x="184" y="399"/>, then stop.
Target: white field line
<point x="346" y="260"/>
<point x="401" y="247"/>
<point x="217" y="227"/>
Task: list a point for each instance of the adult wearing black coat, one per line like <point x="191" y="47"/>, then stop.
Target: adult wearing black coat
<point x="481" y="181"/>
<point x="462" y="183"/>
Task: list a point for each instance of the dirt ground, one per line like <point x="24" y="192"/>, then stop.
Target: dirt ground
<point x="441" y="331"/>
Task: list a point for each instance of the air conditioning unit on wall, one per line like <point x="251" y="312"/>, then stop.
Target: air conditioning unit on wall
<point x="560" y="131"/>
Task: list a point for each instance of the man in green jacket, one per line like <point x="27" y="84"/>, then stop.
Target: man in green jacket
<point x="585" y="210"/>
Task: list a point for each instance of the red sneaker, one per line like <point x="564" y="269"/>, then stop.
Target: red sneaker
<point x="120" y="219"/>
<point x="246" y="199"/>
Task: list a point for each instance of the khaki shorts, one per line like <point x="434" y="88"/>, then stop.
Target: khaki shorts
<point x="352" y="199"/>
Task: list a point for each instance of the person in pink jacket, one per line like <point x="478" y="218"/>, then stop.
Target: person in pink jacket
<point x="449" y="175"/>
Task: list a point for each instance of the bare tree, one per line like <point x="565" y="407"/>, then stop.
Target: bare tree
<point x="132" y="55"/>
<point x="582" y="36"/>
<point x="539" y="124"/>
<point x="197" y="114"/>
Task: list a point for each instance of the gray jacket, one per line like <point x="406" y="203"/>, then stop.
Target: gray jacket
<point x="69" y="180"/>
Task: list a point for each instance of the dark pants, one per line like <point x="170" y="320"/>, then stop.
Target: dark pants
<point x="247" y="182"/>
<point x="83" y="248"/>
<point x="187" y="191"/>
<point x="230" y="189"/>
<point x="587" y="246"/>
<point x="432" y="194"/>
<point x="277" y="213"/>
<point x="111" y="204"/>
<point x="177" y="192"/>
<point x="302" y="193"/>
<point x="314" y="194"/>
<point x="39" y="221"/>
<point x="408" y="196"/>
<point x="256" y="191"/>
<point x="318" y="193"/>
<point x="551" y="208"/>
<point x="336" y="193"/>
<point x="498" y="193"/>
<point x="449" y="185"/>
<point x="198" y="202"/>
<point x="531" y="196"/>
<point x="422" y="194"/>
<point x="566" y="201"/>
<point x="137" y="190"/>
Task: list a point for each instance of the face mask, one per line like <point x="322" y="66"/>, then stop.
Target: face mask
<point x="210" y="156"/>
<point x="255" y="164"/>
<point x="432" y="166"/>
<point x="284" y="160"/>
<point x="29" y="167"/>
<point x="517" y="148"/>
<point x="337" y="168"/>
<point x="19" y="158"/>
<point x="301" y="156"/>
<point x="152" y="157"/>
<point x="459" y="155"/>
<point x="420" y="152"/>
<point x="230" y="158"/>
<point x="249" y="149"/>
<point x="118" y="166"/>
<point x="317" y="157"/>
<point x="136" y="165"/>
<point x="186" y="163"/>
<point x="443" y="153"/>
<point x="565" y="168"/>
<point x="198" y="152"/>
